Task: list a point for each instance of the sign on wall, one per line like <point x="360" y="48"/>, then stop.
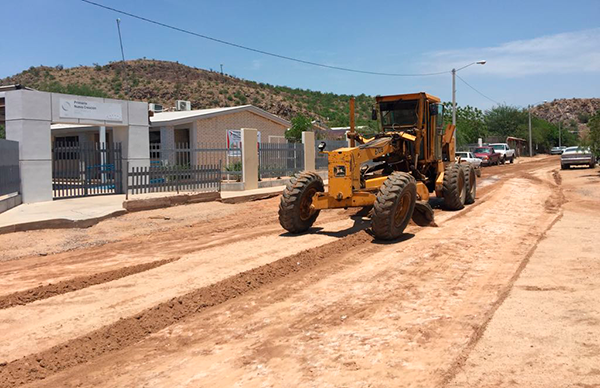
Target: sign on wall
<point x="79" y="109"/>
<point x="234" y="141"/>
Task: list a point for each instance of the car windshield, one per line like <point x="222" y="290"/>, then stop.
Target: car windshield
<point x="498" y="146"/>
<point x="576" y="149"/>
<point x="482" y="150"/>
<point x="399" y="113"/>
<point x="462" y="154"/>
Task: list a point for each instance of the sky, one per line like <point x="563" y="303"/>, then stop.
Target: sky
<point x="535" y="50"/>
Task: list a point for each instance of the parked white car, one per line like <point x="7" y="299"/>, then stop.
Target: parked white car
<point x="577" y="156"/>
<point x="470" y="158"/>
<point x="507" y="154"/>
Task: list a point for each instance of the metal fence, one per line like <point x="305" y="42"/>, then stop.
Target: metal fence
<point x="230" y="159"/>
<point x="278" y="160"/>
<point x="177" y="178"/>
<point x="321" y="159"/>
<point x="86" y="169"/>
<point x="10" y="178"/>
<point x="275" y="159"/>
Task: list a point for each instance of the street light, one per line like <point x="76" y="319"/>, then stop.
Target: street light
<point x="482" y="62"/>
<point x="530" y="144"/>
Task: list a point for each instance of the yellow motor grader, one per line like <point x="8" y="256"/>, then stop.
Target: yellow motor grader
<point x="393" y="173"/>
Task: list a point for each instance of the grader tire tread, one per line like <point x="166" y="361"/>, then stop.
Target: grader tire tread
<point x="471" y="186"/>
<point x="384" y="206"/>
<point x="289" y="206"/>
<point x="453" y="199"/>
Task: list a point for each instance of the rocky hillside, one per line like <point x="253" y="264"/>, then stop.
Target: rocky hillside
<point x="165" y="82"/>
<point x="573" y="112"/>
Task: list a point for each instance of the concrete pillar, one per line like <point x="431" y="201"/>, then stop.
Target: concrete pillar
<point x="308" y="139"/>
<point x="250" y="158"/>
<point x="167" y="144"/>
<point x="28" y="120"/>
<point x="134" y="139"/>
<point x="195" y="156"/>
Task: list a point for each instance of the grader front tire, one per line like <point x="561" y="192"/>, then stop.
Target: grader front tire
<point x="471" y="183"/>
<point x="454" y="188"/>
<point x="296" y="215"/>
<point x="394" y="206"/>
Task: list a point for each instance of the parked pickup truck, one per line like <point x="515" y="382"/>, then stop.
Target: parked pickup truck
<point x="487" y="155"/>
<point x="468" y="157"/>
<point x="507" y="154"/>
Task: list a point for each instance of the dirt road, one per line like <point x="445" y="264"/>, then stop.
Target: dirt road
<point x="216" y="295"/>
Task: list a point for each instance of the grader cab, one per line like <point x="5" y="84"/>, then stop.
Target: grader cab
<point x="393" y="172"/>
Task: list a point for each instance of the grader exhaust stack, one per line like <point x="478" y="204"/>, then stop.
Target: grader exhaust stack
<point x="393" y="172"/>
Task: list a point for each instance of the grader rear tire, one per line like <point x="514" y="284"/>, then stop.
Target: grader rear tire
<point x="454" y="189"/>
<point x="296" y="215"/>
<point x="471" y="183"/>
<point x="394" y="206"/>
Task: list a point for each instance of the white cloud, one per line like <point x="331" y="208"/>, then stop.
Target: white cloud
<point x="570" y="52"/>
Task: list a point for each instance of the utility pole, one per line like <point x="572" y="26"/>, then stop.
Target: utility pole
<point x="483" y="62"/>
<point x="559" y="133"/>
<point x="530" y="146"/>
<point x="122" y="53"/>
<point x="221" y="69"/>
<point x="121" y="40"/>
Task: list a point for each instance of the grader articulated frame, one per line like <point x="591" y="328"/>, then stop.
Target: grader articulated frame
<point x="393" y="172"/>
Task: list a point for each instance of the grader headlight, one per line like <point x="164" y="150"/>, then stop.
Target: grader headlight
<point x="339" y="171"/>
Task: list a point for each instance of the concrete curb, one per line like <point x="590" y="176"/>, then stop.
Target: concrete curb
<point x="59" y="223"/>
<point x="136" y="205"/>
<point x="250" y="197"/>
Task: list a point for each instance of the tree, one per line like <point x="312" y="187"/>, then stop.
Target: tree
<point x="505" y="120"/>
<point x="470" y="123"/>
<point x="593" y="137"/>
<point x="300" y="123"/>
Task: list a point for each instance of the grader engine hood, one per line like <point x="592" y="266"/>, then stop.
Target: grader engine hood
<point x="344" y="165"/>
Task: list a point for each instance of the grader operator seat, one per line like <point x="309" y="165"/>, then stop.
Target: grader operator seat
<point x="393" y="172"/>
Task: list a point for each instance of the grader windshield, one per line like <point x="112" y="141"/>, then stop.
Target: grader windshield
<point x="399" y="114"/>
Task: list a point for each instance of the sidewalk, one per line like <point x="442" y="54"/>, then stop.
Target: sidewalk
<point x="88" y="211"/>
<point x="74" y="213"/>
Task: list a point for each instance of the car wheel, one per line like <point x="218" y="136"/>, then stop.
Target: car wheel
<point x="564" y="167"/>
<point x="512" y="159"/>
<point x="502" y="160"/>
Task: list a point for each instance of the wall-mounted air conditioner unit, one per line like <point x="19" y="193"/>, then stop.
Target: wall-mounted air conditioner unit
<point x="183" y="105"/>
<point x="156" y="108"/>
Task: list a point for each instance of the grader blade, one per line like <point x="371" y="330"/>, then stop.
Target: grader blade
<point x="423" y="214"/>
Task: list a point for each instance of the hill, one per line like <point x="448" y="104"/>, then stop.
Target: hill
<point x="165" y="82"/>
<point x="572" y="112"/>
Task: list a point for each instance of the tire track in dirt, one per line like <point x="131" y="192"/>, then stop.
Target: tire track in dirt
<point x="553" y="204"/>
<point x="127" y="331"/>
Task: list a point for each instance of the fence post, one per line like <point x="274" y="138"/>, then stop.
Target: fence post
<point x="250" y="158"/>
<point x="126" y="179"/>
<point x="308" y="140"/>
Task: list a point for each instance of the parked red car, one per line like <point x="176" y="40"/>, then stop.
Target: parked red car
<point x="487" y="155"/>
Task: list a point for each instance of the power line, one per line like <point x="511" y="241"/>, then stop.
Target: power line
<point x="466" y="83"/>
<point x="257" y="50"/>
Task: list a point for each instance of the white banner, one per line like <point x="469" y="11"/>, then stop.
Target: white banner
<point x="79" y="109"/>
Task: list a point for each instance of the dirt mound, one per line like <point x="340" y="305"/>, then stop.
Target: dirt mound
<point x="78" y="283"/>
